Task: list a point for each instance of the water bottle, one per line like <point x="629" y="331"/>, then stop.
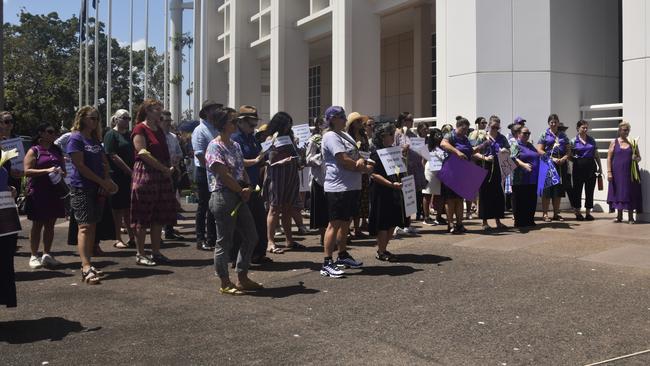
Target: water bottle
<point x="61" y="189"/>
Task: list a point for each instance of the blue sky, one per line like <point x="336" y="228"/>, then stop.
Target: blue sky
<point x="120" y="31"/>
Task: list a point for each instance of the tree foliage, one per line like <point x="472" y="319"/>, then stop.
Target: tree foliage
<point x="42" y="66"/>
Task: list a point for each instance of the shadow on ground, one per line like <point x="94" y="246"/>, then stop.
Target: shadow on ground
<point x="136" y="273"/>
<point x="40" y="275"/>
<point x="29" y="331"/>
<point x="285" y="291"/>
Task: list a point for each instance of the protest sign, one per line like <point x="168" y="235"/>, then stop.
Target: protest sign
<point x="302" y="133"/>
<point x="305" y="178"/>
<point x="462" y="176"/>
<point x="436" y="157"/>
<point x="266" y="145"/>
<point x="9" y="220"/>
<point x="410" y="197"/>
<point x="418" y="145"/>
<point x="391" y="158"/>
<point x="15" y="143"/>
<point x="282" y="141"/>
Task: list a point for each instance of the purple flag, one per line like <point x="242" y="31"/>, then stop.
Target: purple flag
<point x="462" y="176"/>
<point x="548" y="175"/>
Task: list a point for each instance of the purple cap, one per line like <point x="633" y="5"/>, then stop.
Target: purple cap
<point x="334" y="111"/>
<point x="519" y="120"/>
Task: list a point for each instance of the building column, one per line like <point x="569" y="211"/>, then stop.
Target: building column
<point x="356" y="56"/>
<point x="213" y="76"/>
<point x="422" y="31"/>
<point x="196" y="67"/>
<point x="289" y="62"/>
<point x="245" y="71"/>
<point x="636" y="76"/>
<point x="175" y="59"/>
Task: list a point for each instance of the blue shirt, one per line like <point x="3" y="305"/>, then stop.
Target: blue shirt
<point x="584" y="150"/>
<point x="554" y="145"/>
<point x="201" y="137"/>
<point x="251" y="149"/>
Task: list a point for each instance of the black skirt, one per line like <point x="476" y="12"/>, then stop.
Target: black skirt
<point x="524" y="204"/>
<point x="7" y="274"/>
<point x="386" y="211"/>
<point x="491" y="203"/>
<point x="559" y="190"/>
<point x="318" y="217"/>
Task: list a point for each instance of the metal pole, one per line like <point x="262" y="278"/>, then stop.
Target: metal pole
<point x="2" y="71"/>
<point x="146" y="51"/>
<point x="96" y="59"/>
<point x="109" y="75"/>
<point x="166" y="60"/>
<point x="86" y="45"/>
<point x="81" y="60"/>
<point x="131" y="69"/>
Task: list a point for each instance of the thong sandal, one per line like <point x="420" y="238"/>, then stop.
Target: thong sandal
<point x="230" y="290"/>
<point x="120" y="245"/>
<point x="276" y="250"/>
<point x="90" y="277"/>
<point x="296" y="246"/>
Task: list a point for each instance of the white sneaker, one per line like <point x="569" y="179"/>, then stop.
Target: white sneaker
<point x="49" y="261"/>
<point x="411" y="230"/>
<point x="35" y="262"/>
<point x="399" y="232"/>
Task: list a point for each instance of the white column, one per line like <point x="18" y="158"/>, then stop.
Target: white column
<point x="356" y="56"/>
<point x="196" y="67"/>
<point x="175" y="60"/>
<point x="636" y="76"/>
<point x="244" y="73"/>
<point x="289" y="62"/>
<point x="422" y="30"/>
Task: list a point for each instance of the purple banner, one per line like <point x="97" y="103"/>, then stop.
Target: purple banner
<point x="462" y="176"/>
<point x="548" y="175"/>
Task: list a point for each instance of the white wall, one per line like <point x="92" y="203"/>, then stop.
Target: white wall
<point x="636" y="78"/>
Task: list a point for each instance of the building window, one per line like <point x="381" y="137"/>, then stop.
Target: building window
<point x="314" y="91"/>
<point x="433" y="75"/>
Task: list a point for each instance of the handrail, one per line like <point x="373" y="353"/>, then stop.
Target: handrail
<point x="601" y="107"/>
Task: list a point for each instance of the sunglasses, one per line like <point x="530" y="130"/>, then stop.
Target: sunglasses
<point x="526" y="133"/>
<point x="126" y="118"/>
<point x="50" y="131"/>
<point x="495" y="128"/>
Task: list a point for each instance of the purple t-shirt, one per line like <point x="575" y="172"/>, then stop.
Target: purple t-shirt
<point x="554" y="145"/>
<point x="93" y="159"/>
<point x="584" y="150"/>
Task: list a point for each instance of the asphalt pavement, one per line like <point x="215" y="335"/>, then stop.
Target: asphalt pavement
<point x="570" y="293"/>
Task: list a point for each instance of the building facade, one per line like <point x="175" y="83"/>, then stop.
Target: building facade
<point x="434" y="58"/>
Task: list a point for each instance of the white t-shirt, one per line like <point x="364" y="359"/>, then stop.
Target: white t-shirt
<point x="338" y="179"/>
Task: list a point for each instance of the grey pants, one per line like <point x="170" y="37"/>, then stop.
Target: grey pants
<point x="221" y="205"/>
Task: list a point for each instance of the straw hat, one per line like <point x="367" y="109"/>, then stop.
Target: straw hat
<point x="355" y="116"/>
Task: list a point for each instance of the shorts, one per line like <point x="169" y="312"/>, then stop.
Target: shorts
<point x="343" y="206"/>
<point x="85" y="205"/>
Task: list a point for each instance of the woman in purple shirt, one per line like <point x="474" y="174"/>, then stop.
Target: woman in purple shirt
<point x="585" y="165"/>
<point x="555" y="144"/>
<point x="524" y="179"/>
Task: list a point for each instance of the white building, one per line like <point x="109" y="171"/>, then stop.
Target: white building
<point x="435" y="58"/>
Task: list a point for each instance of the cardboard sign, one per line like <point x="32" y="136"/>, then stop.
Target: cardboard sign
<point x="9" y="220"/>
<point x="303" y="134"/>
<point x="15" y="143"/>
<point x="282" y="141"/>
<point x="266" y="145"/>
<point x="506" y="164"/>
<point x="409" y="194"/>
<point x="436" y="158"/>
<point x="391" y="158"/>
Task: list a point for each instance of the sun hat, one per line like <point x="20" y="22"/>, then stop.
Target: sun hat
<point x="353" y="117"/>
<point x="207" y="104"/>
<point x="248" y="111"/>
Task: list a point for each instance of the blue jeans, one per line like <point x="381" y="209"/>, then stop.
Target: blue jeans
<point x="222" y="203"/>
<point x="203" y="215"/>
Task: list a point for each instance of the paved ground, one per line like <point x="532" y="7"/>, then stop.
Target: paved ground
<point x="566" y="294"/>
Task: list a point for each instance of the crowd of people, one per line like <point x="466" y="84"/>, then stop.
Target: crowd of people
<point x="248" y="174"/>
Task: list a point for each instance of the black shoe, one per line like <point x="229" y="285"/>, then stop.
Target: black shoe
<point x="579" y="217"/>
<point x="589" y="217"/>
<point x="203" y="245"/>
<point x="173" y="236"/>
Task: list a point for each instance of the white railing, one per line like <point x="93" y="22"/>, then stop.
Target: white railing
<point x="425" y="119"/>
<point x="605" y="126"/>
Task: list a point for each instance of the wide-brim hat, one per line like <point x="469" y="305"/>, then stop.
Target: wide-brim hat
<point x="248" y="112"/>
<point x="261" y="129"/>
<point x="353" y="117"/>
<point x="207" y="104"/>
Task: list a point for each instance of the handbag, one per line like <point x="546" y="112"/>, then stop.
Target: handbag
<point x="599" y="180"/>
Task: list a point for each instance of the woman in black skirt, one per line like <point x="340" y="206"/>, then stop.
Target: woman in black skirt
<point x="318" y="218"/>
<point x="524" y="180"/>
<point x="491" y="200"/>
<point x="7" y="250"/>
<point x="386" y="211"/>
<point x="586" y="164"/>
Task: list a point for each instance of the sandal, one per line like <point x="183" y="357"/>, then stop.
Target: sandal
<point x="120" y="245"/>
<point x="557" y="217"/>
<point x="386" y="257"/>
<point x="96" y="271"/>
<point x="502" y="226"/>
<point x="276" y="250"/>
<point x="90" y="277"/>
<point x="631" y="222"/>
<point x="618" y="220"/>
<point x="487" y="227"/>
<point x="296" y="246"/>
<point x="230" y="290"/>
<point x="546" y="218"/>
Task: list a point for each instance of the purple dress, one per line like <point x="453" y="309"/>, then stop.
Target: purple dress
<point x="623" y="193"/>
<point x="47" y="205"/>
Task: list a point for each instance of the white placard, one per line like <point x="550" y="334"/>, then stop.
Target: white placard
<point x="305" y="178"/>
<point x="266" y="145"/>
<point x="391" y="158"/>
<point x="410" y="197"/>
<point x="282" y="141"/>
<point x="303" y="134"/>
<point x="364" y="154"/>
<point x="436" y="157"/>
<point x="506" y="164"/>
<point x="418" y="145"/>
<point x="15" y="143"/>
<point x="9" y="220"/>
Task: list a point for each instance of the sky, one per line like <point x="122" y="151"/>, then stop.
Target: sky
<point x="120" y="30"/>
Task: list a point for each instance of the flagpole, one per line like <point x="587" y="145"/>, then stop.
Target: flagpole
<point x="96" y="59"/>
<point x="146" y="51"/>
<point x="86" y="72"/>
<point x="109" y="75"/>
<point x="131" y="69"/>
<point x="166" y="60"/>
